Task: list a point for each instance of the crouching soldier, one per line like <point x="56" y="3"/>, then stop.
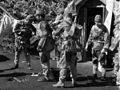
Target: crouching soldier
<point x="99" y="38"/>
<point x="67" y="54"/>
<point x="23" y="31"/>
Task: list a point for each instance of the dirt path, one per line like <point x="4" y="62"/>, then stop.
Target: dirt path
<point x="21" y="79"/>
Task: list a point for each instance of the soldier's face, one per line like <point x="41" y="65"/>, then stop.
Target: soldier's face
<point x="38" y="18"/>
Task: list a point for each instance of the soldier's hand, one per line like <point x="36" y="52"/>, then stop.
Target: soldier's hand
<point x="86" y="47"/>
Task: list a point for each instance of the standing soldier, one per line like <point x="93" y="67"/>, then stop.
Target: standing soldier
<point x="99" y="39"/>
<point x="67" y="54"/>
<point x="45" y="46"/>
<point x="23" y="31"/>
<point x="58" y="20"/>
<point x="117" y="57"/>
<point x="115" y="46"/>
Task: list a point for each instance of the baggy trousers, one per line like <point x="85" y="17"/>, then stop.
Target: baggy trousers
<point x="67" y="59"/>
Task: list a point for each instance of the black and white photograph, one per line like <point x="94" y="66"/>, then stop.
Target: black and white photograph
<point x="59" y="44"/>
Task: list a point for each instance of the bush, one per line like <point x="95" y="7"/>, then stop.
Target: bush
<point x="25" y="7"/>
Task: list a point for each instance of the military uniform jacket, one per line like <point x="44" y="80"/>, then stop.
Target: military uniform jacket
<point x="99" y="37"/>
<point x="43" y="29"/>
<point x="67" y="43"/>
<point x="24" y="25"/>
<point x="44" y="34"/>
<point x="23" y="30"/>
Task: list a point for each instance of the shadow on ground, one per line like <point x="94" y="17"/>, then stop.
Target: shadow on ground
<point x="110" y="81"/>
<point x="3" y="58"/>
<point x="14" y="74"/>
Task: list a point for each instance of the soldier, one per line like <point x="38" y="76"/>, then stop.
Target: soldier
<point x="115" y="48"/>
<point x="99" y="38"/>
<point x="67" y="54"/>
<point x="23" y="31"/>
<point x="117" y="35"/>
<point x="44" y="33"/>
<point x="58" y="20"/>
<point x="59" y="17"/>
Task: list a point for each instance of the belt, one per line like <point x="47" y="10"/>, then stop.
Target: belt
<point x="98" y="41"/>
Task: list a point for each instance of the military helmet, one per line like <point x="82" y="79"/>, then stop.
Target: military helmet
<point x="98" y="19"/>
<point x="30" y="17"/>
<point x="39" y="13"/>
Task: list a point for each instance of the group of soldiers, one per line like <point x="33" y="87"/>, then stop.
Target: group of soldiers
<point x="63" y="39"/>
<point x="46" y="37"/>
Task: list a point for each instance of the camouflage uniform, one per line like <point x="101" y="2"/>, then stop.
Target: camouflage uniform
<point x="99" y="39"/>
<point x="58" y="20"/>
<point x="44" y="33"/>
<point x="115" y="46"/>
<point x="118" y="60"/>
<point x="23" y="31"/>
<point x="67" y="54"/>
<point x="59" y="17"/>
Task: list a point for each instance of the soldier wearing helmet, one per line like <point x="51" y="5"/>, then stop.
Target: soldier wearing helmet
<point x="23" y="31"/>
<point x="99" y="39"/>
<point x="44" y="33"/>
<point x="39" y="16"/>
<point x="98" y="19"/>
<point x="68" y="53"/>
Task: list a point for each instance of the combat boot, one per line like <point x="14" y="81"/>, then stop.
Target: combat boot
<point x="103" y="78"/>
<point x="118" y="83"/>
<point x="51" y="77"/>
<point x="43" y="78"/>
<point x="94" y="77"/>
<point x="74" y="83"/>
<point x="60" y="84"/>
